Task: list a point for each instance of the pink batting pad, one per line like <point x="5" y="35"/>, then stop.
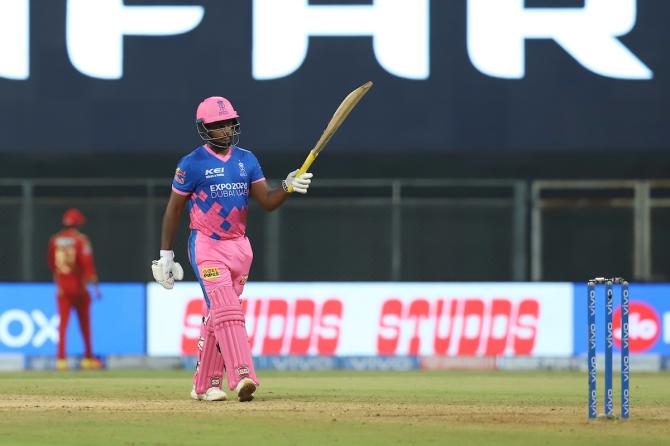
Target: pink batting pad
<point x="209" y="371"/>
<point x="231" y="333"/>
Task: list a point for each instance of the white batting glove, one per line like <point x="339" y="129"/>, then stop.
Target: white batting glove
<point x="166" y="270"/>
<point x="299" y="183"/>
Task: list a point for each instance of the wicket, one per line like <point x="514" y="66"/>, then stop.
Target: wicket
<point x="625" y="353"/>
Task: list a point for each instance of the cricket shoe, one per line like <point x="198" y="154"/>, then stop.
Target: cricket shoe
<point x="91" y="364"/>
<point x="212" y="394"/>
<point x="62" y="365"/>
<point x="245" y="389"/>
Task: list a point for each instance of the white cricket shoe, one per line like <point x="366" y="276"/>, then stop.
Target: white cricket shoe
<point x="212" y="394"/>
<point x="245" y="389"/>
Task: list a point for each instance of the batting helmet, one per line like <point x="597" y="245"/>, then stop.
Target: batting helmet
<point x="73" y="217"/>
<point x="215" y="109"/>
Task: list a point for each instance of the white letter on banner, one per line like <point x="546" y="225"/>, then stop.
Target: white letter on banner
<point x="497" y="30"/>
<point x="24" y="336"/>
<point x="281" y="31"/>
<point x="95" y="30"/>
<point x="15" y="39"/>
<point x="48" y="328"/>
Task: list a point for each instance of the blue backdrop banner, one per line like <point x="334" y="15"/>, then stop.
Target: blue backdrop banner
<point x="649" y="318"/>
<point x="29" y="320"/>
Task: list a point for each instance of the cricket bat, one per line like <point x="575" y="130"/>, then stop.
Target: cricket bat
<point x="336" y="121"/>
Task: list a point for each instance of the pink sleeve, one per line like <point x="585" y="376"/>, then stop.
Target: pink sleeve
<point x="177" y="191"/>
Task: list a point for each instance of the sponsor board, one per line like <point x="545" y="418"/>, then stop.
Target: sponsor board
<point x="379" y="363"/>
<point x="649" y="319"/>
<point x="496" y="37"/>
<point x="29" y="320"/>
<point x="296" y="362"/>
<point x="12" y="362"/>
<point x="531" y="62"/>
<point x="378" y="319"/>
<point x="458" y="363"/>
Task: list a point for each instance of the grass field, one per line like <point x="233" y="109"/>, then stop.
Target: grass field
<point x="324" y="408"/>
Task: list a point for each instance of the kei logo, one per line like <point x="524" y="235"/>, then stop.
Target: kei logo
<point x="214" y="172"/>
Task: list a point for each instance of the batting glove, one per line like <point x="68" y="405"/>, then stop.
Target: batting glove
<point x="166" y="270"/>
<point x="299" y="183"/>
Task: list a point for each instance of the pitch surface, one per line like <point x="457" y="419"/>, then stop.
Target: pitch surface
<point x="324" y="408"/>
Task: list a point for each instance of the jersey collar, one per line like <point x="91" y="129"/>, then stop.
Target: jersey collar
<point x="223" y="158"/>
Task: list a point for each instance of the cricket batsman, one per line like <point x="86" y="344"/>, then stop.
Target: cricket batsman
<point x="215" y="182"/>
<point x="70" y="258"/>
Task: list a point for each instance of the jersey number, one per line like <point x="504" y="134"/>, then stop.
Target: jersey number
<point x="65" y="259"/>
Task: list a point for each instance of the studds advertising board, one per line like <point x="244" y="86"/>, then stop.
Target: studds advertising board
<point x="389" y="319"/>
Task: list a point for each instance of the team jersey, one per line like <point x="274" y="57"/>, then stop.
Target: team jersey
<point x="70" y="258"/>
<point x="218" y="187"/>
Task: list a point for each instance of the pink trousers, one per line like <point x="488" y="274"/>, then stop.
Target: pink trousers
<point x="222" y="268"/>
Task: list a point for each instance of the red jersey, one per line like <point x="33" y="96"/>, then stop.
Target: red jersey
<point x="71" y="260"/>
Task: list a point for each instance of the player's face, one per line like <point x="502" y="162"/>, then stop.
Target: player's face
<point x="223" y="132"/>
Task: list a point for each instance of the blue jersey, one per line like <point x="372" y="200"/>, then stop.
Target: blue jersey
<point x="219" y="188"/>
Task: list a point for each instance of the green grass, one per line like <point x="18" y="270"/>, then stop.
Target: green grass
<point x="324" y="408"/>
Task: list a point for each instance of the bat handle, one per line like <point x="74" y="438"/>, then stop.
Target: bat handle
<point x="305" y="165"/>
<point x="308" y="162"/>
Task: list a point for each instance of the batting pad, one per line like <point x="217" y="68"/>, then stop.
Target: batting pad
<point x="231" y="334"/>
<point x="209" y="371"/>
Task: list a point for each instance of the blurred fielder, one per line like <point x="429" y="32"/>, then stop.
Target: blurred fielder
<point x="71" y="260"/>
<point x="215" y="180"/>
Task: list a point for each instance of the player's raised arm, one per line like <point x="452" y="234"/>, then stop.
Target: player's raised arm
<point x="271" y="198"/>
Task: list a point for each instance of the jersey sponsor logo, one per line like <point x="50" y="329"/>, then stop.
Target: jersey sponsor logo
<point x="244" y="278"/>
<point x="64" y="241"/>
<point x="210" y="273"/>
<point x="213" y="173"/>
<point x="223" y="190"/>
<point x="179" y="176"/>
<point x="242" y="371"/>
<point x="65" y="258"/>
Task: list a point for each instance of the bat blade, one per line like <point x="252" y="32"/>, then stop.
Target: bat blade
<point x="336" y="121"/>
<point x="341" y="114"/>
